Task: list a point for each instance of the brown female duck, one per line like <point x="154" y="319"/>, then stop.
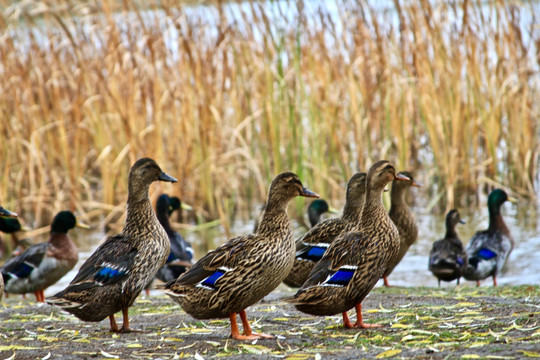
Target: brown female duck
<point x="43" y="264"/>
<point x="4" y="213"/>
<point x="353" y="263"/>
<point x="242" y="271"/>
<point x="311" y="247"/>
<point x="114" y="275"/>
<point x="447" y="257"/>
<point x="403" y="218"/>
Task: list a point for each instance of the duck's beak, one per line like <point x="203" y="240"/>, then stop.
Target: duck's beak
<point x="308" y="193"/>
<point x="415" y="184"/>
<point x="513" y="199"/>
<point x="82" y="225"/>
<point x="461" y="221"/>
<point x="401" y="177"/>
<point x="6" y="213"/>
<point x="332" y="210"/>
<point x="185" y="206"/>
<point x="166" y="177"/>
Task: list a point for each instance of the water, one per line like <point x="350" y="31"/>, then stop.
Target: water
<point x="522" y="267"/>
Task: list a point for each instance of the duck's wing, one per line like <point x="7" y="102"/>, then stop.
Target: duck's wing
<point x="340" y="262"/>
<point x="21" y="266"/>
<point x="111" y="263"/>
<point x="313" y="244"/>
<point x="180" y="249"/>
<point x="212" y="266"/>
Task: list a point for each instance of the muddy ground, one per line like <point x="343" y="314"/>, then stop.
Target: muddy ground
<point x="419" y="323"/>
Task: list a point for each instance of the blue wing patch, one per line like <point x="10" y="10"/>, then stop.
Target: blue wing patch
<point x="485" y="254"/>
<point x="314" y="252"/>
<point x="342" y="277"/>
<point x="107" y="273"/>
<point x="171" y="257"/>
<point x="459" y="260"/>
<point x="22" y="271"/>
<point x="210" y="282"/>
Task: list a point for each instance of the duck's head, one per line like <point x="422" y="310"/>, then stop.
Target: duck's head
<point x="453" y="218"/>
<point x="163" y="206"/>
<point x="144" y="172"/>
<point x="9" y="222"/>
<point x="320" y="206"/>
<point x="381" y="173"/>
<point x="356" y="188"/>
<point x="496" y="198"/>
<point x="64" y="221"/>
<point x="287" y="186"/>
<point x="175" y="203"/>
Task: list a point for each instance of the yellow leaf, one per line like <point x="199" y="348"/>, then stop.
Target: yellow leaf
<point x="281" y="319"/>
<point x="388" y="354"/>
<point x="173" y="339"/>
<point x="470" y="356"/>
<point x="136" y="345"/>
<point x="255" y="349"/>
<point x="400" y="326"/>
<point x="17" y="347"/>
<point x="531" y="354"/>
<point x="464" y="303"/>
<point x="298" y="357"/>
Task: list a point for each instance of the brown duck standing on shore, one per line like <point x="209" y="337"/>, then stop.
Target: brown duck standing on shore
<point x="311" y="246"/>
<point x="242" y="271"/>
<point x="114" y="275"/>
<point x="403" y="218"/>
<point x="447" y="257"/>
<point x="355" y="261"/>
<point x="43" y="264"/>
<point x="4" y="213"/>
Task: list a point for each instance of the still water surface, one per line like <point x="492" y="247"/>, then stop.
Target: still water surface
<point x="523" y="266"/>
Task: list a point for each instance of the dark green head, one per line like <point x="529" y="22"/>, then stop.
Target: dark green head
<point x="163" y="205"/>
<point x="319" y="206"/>
<point x="8" y="221"/>
<point x="64" y="221"/>
<point x="495" y="200"/>
<point x="174" y="204"/>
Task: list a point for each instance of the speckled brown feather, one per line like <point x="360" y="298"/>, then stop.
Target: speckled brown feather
<point x="253" y="265"/>
<point x="403" y="218"/>
<point x="370" y="250"/>
<point x="328" y="230"/>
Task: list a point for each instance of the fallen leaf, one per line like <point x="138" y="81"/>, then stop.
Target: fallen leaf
<point x="255" y="349"/>
<point x="107" y="355"/>
<point x="531" y="354"/>
<point x="388" y="354"/>
<point x="470" y="356"/>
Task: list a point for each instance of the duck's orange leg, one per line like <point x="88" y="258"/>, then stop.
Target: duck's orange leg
<point x="40" y="296"/>
<point x="114" y="326"/>
<point x="359" y="320"/>
<point x="477" y="283"/>
<point x="125" y="324"/>
<point x="248" y="334"/>
<point x="385" y="279"/>
<point x="494" y="280"/>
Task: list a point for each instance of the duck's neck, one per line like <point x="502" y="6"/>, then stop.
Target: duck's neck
<point x="275" y="220"/>
<point x="496" y="222"/>
<point x="352" y="211"/>
<point x="163" y="219"/>
<point x="373" y="211"/>
<point x="397" y="197"/>
<point x="140" y="214"/>
<point x="450" y="230"/>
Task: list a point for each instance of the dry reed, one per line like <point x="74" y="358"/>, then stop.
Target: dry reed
<point x="226" y="96"/>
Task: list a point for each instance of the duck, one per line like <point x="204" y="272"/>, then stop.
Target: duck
<point x="181" y="254"/>
<point x="447" y="257"/>
<point x="354" y="261"/>
<point x="112" y="277"/>
<point x="403" y="218"/>
<point x="311" y="246"/>
<point x="43" y="264"/>
<point x="4" y="214"/>
<point x="242" y="271"/>
<point x="489" y="249"/>
<point x="316" y="209"/>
